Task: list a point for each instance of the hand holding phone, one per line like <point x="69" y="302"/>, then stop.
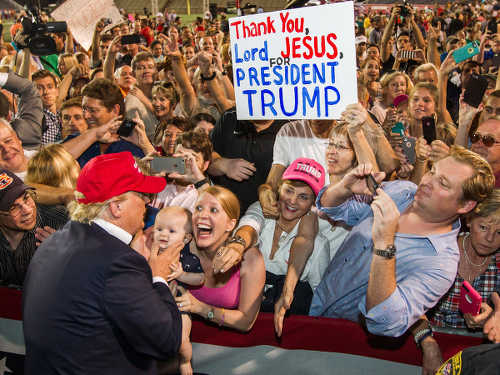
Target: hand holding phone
<point x="126" y="128"/>
<point x="130" y="39"/>
<point x="470" y="299"/>
<point x="475" y="88"/>
<point x="429" y="128"/>
<point x="466" y="52"/>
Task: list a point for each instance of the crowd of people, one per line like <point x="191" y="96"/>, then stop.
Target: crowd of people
<point x="377" y="217"/>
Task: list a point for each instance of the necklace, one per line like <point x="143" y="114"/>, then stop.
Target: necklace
<point x="281" y="227"/>
<point x="467" y="256"/>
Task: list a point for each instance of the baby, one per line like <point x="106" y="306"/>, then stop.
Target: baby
<point x="173" y="224"/>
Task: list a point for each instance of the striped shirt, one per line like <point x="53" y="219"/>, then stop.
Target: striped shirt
<point x="446" y="312"/>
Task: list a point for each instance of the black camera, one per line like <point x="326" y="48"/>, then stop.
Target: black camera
<point x="38" y="39"/>
<point x="126" y="128"/>
<point x="405" y="10"/>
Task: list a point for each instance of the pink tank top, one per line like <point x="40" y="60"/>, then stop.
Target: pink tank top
<point x="226" y="296"/>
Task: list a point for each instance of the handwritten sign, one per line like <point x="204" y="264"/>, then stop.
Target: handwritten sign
<point x="82" y="16"/>
<point x="294" y="64"/>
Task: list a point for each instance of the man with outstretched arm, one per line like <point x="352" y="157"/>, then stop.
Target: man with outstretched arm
<point x="401" y="255"/>
<point x="92" y="304"/>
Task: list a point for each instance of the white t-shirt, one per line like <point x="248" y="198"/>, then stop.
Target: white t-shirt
<point x="29" y="154"/>
<point x="317" y="262"/>
<point x="297" y="140"/>
<point x="170" y="196"/>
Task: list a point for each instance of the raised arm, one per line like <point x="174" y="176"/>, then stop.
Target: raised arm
<point x="28" y="122"/>
<point x="109" y="62"/>
<point x="419" y="38"/>
<point x="210" y="75"/>
<point x="78" y="145"/>
<point x="96" y="39"/>
<point x="389" y="29"/>
<point x="432" y="49"/>
<point x="188" y="98"/>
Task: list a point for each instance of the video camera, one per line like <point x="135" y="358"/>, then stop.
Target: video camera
<point x="405" y="9"/>
<point x="38" y="39"/>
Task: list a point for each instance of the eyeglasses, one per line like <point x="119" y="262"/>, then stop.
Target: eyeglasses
<point x="488" y="140"/>
<point x="338" y="146"/>
<point x="16" y="209"/>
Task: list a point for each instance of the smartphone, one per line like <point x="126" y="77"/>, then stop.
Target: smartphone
<point x="466" y="52"/>
<point x="474" y="90"/>
<point x="398" y="128"/>
<point x="372" y="184"/>
<point x="492" y="26"/>
<point x="168" y="164"/>
<point x="408" y="147"/>
<point x="429" y="128"/>
<point x="470" y="299"/>
<point x="126" y="128"/>
<point x="130" y="39"/>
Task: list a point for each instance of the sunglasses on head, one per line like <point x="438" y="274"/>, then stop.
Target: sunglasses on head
<point x="488" y="140"/>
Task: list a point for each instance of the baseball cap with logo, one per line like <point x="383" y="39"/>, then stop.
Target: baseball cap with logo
<point x="109" y="175"/>
<point x="11" y="188"/>
<point x="308" y="171"/>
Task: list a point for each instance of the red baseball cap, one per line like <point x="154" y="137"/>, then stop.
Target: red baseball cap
<point x="107" y="176"/>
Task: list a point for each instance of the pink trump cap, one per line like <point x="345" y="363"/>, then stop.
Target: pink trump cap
<point x="308" y="171"/>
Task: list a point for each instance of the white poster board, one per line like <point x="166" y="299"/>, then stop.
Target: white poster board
<point x="294" y="64"/>
<point x="82" y="16"/>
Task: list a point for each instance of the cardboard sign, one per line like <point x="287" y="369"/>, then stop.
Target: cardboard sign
<point x="82" y="16"/>
<point x="294" y="64"/>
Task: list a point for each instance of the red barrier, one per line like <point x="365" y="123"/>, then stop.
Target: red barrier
<point x="300" y="332"/>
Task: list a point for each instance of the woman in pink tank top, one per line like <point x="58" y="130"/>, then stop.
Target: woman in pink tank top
<point x="231" y="298"/>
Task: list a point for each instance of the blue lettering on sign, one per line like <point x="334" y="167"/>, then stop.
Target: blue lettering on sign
<point x="249" y="93"/>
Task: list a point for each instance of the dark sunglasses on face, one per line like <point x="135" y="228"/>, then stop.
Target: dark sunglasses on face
<point x="488" y="140"/>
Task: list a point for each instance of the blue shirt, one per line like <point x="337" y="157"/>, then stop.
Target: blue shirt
<point x="426" y="267"/>
<point x="115" y="147"/>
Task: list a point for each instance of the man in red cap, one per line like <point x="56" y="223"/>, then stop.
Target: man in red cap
<point x="92" y="304"/>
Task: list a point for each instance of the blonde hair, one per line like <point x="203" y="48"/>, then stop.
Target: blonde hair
<point x="85" y="213"/>
<point x="427" y="67"/>
<point x="488" y="208"/>
<point x="53" y="166"/>
<point x="387" y="78"/>
<point x="229" y="202"/>
<point x="69" y="60"/>
<point x="482" y="182"/>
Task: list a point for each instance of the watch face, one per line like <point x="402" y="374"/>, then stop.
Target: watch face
<point x="210" y="315"/>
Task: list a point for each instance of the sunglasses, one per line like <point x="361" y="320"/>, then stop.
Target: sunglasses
<point x="488" y="140"/>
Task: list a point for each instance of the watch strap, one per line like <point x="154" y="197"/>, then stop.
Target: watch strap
<point x="389" y="252"/>
<point x="200" y="183"/>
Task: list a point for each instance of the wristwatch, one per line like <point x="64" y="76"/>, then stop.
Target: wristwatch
<point x="389" y="252"/>
<point x="210" y="314"/>
<point x="200" y="183"/>
<point x="238" y="239"/>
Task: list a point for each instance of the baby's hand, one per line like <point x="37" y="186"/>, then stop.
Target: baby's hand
<point x="176" y="271"/>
